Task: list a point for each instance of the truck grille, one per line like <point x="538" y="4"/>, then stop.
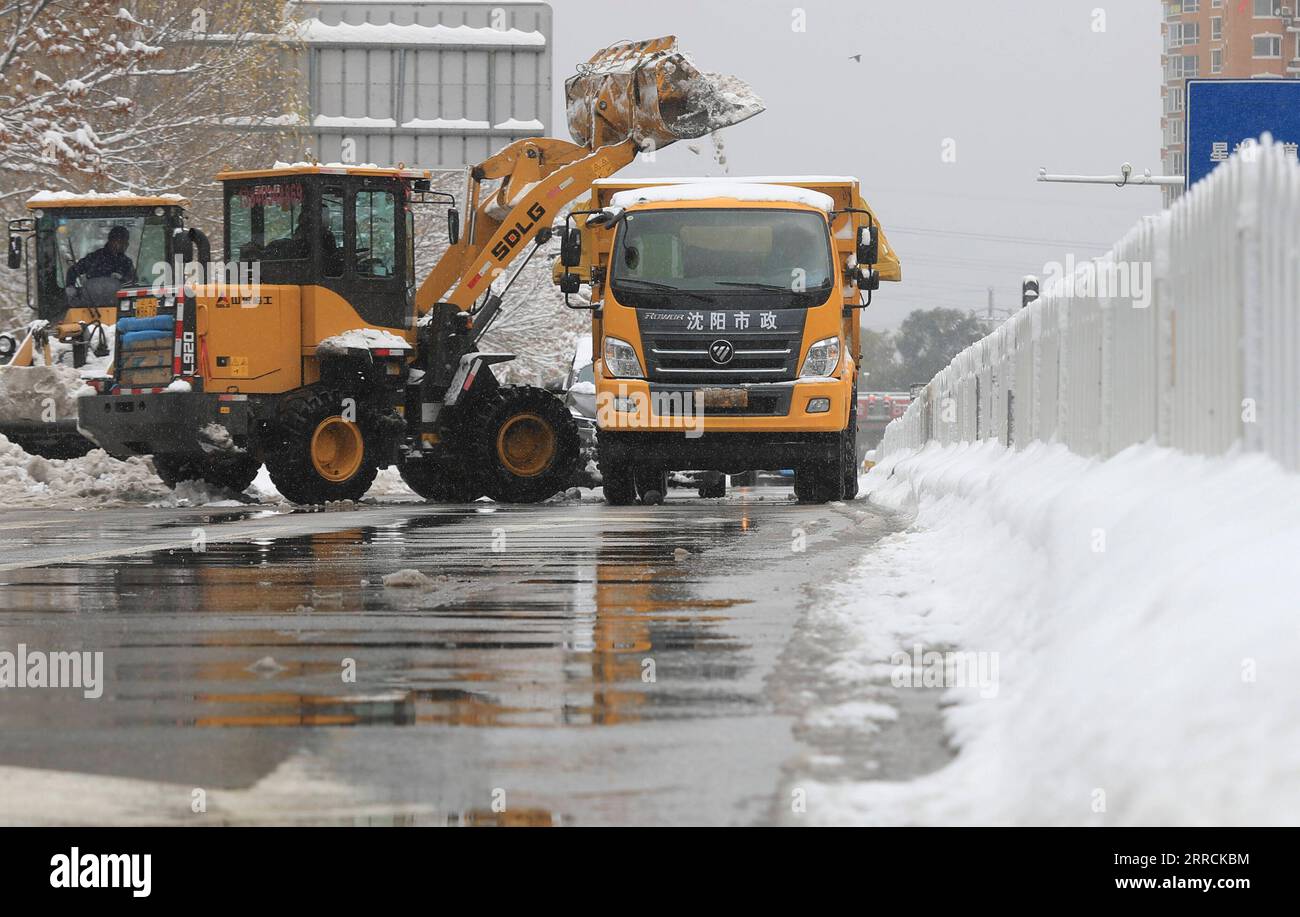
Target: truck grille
<point x="757" y="358"/>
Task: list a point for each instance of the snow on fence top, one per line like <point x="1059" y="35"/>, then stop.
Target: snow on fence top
<point x="370" y="33"/>
<point x="738" y="191"/>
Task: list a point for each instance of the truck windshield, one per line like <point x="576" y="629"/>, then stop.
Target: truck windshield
<point x="671" y="257"/>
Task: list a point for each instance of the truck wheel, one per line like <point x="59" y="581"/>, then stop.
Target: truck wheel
<point x="233" y="472"/>
<point x="821" y="481"/>
<point x="527" y="445"/>
<point x="618" y="480"/>
<point x="713" y="485"/>
<point x="322" y="457"/>
<point x="437" y="485"/>
<point x="651" y="486"/>
<point x="850" y="443"/>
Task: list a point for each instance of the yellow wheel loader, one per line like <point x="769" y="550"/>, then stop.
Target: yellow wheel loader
<point x="319" y="356"/>
<point x="73" y="273"/>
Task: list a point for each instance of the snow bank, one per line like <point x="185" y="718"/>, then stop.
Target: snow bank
<point x="1143" y="613"/>
<point x="739" y="191"/>
<point x="91" y="480"/>
<point x="363" y="339"/>
<point x="30" y="392"/>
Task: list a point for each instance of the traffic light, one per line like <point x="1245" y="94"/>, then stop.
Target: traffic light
<point x="1028" y="290"/>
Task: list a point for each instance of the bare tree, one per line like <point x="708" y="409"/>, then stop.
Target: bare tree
<point x="148" y="97"/>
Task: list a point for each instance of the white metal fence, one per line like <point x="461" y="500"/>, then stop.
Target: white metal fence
<point x="1206" y="358"/>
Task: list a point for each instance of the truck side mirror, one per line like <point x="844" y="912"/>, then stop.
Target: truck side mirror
<point x="868" y="245"/>
<point x="571" y="248"/>
<point x="570" y="283"/>
<point x="15" y="251"/>
<point x="453" y="226"/>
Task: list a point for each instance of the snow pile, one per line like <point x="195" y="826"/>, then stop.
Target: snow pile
<point x="738" y="191"/>
<point x="361" y="339"/>
<point x="718" y="100"/>
<point x="388" y="483"/>
<point x="1143" y="613"/>
<point x="40" y="393"/>
<point x="407" y="579"/>
<point x="93" y="479"/>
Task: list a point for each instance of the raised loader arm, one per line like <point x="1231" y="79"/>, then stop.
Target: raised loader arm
<point x="628" y="97"/>
<point x="539" y="177"/>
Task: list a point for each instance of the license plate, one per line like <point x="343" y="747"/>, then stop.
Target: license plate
<point x="146" y="307"/>
<point x="726" y="398"/>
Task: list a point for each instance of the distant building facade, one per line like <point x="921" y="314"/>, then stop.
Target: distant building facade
<point x="1224" y="39"/>
<point x="435" y="85"/>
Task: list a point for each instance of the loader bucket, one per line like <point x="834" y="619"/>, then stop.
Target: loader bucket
<point x="651" y="92"/>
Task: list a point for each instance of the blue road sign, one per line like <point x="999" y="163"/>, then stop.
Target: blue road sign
<point x="1221" y="114"/>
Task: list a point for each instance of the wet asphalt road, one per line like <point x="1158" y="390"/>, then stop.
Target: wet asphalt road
<point x="569" y="663"/>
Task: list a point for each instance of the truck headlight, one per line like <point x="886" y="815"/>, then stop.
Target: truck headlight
<point x="822" y="358"/>
<point x="620" y="359"/>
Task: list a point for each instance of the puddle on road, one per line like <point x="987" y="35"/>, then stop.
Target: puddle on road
<point x="587" y="630"/>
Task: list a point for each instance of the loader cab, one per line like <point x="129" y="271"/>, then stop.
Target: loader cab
<point x="73" y="272"/>
<point x="348" y="230"/>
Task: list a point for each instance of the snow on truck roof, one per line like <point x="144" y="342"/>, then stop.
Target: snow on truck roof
<point x="726" y="179"/>
<point x="53" y="199"/>
<point x="281" y="169"/>
<point x="737" y="191"/>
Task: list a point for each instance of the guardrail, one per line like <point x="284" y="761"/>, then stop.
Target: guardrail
<point x="1186" y="333"/>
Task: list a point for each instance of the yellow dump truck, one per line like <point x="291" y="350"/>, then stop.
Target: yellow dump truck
<point x="725" y="327"/>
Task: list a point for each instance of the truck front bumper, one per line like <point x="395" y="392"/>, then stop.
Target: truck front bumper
<point x="167" y="422"/>
<point x="732" y="453"/>
<point x="773" y="407"/>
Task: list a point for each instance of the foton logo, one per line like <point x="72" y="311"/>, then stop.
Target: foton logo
<point x="501" y="251"/>
<point x="721" y="352"/>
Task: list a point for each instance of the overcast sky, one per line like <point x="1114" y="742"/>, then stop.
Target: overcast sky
<point x="1017" y="84"/>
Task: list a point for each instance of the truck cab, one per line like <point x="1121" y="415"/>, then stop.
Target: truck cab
<point x="725" y="327"/>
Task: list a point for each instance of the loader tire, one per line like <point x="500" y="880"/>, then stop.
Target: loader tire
<point x="320" y="457"/>
<point x="438" y="485"/>
<point x="526" y="445"/>
<point x="233" y="472"/>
